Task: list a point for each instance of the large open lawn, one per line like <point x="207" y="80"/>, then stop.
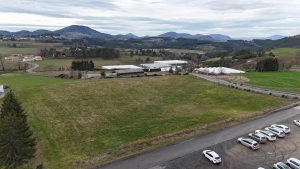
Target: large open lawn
<point x="77" y="123"/>
<point x="285" y="52"/>
<point x="25" y="47"/>
<point x="281" y="81"/>
<point x="57" y="64"/>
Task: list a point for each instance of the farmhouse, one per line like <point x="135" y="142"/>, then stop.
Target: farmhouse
<point x="130" y="73"/>
<point x="38" y="58"/>
<point x="1" y="91"/>
<point x="14" y="57"/>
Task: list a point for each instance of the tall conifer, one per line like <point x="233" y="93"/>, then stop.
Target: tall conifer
<point x="17" y="145"/>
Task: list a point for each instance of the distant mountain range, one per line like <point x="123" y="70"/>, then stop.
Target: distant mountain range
<point x="78" y="31"/>
<point x="274" y="37"/>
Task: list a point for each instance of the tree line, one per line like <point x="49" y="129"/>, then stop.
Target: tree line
<point x="82" y="65"/>
<point x="81" y="52"/>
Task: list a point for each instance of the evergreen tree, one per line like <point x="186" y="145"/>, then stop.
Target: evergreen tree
<point x="17" y="146"/>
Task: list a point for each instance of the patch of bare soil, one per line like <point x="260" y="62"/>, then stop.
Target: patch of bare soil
<point x="233" y="78"/>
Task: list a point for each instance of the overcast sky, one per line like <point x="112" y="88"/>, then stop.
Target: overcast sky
<point x="236" y="18"/>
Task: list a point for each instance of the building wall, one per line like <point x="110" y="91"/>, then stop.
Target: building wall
<point x="130" y="74"/>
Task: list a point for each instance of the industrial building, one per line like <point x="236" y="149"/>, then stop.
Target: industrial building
<point x="120" y="67"/>
<point x="129" y="73"/>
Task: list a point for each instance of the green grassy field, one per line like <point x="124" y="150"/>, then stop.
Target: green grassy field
<point x="78" y="123"/>
<point x="285" y="52"/>
<point x="276" y="80"/>
<point x="56" y="64"/>
<point x="25" y="48"/>
<point x="185" y="51"/>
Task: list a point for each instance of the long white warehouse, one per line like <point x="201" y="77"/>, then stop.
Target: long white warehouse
<point x="119" y="67"/>
<point x="219" y="70"/>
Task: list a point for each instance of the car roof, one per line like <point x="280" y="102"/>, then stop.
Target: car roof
<point x="294" y="159"/>
<point x="249" y="139"/>
<point x="213" y="154"/>
<point x="283" y="165"/>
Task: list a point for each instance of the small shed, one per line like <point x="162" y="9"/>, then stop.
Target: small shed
<point x="130" y="73"/>
<point x="1" y="91"/>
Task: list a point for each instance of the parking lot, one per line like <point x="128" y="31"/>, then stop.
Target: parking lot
<point x="237" y="156"/>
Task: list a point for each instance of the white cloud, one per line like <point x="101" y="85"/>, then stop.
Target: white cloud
<point x="236" y="18"/>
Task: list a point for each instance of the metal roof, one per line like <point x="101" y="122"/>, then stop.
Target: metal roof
<point x="171" y="61"/>
<point x="130" y="71"/>
<point x="155" y="65"/>
<point x="121" y="67"/>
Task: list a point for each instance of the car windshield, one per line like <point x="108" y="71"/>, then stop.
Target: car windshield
<point x="281" y="133"/>
<point x="255" y="144"/>
<point x="273" y="136"/>
<point x="264" y="138"/>
<point x="217" y="158"/>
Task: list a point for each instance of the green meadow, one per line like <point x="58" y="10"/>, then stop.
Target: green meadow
<point x="282" y="81"/>
<point x="80" y="123"/>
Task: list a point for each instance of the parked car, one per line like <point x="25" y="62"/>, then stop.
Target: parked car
<point x="212" y="156"/>
<point x="268" y="135"/>
<point x="280" y="165"/>
<point x="284" y="128"/>
<point x="257" y="137"/>
<point x="297" y="122"/>
<point x="248" y="142"/>
<point x="293" y="163"/>
<point x="277" y="132"/>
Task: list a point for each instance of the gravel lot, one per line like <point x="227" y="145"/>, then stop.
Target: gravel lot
<point x="237" y="156"/>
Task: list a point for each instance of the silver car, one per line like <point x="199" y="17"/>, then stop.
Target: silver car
<point x="270" y="136"/>
<point x="248" y="143"/>
<point x="277" y="132"/>
<point x="257" y="137"/>
<point x="284" y="128"/>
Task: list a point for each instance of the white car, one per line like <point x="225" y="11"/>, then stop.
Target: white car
<point x="270" y="136"/>
<point x="277" y="132"/>
<point x="284" y="128"/>
<point x="280" y="165"/>
<point x="297" y="122"/>
<point x="293" y="163"/>
<point x="212" y="156"/>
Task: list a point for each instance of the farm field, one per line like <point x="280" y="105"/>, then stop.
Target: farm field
<point x="276" y="80"/>
<point x="9" y="65"/>
<point x="285" y="52"/>
<point x="84" y="123"/>
<point x="57" y="64"/>
<point x="184" y="51"/>
<point x="26" y="47"/>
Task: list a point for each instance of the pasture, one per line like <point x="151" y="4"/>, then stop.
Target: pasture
<point x="86" y="122"/>
<point x="25" y="47"/>
<point x="285" y="52"/>
<point x="282" y="81"/>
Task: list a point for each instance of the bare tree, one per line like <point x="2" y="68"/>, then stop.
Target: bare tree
<point x="3" y="69"/>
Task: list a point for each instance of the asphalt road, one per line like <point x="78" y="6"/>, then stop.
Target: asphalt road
<point x="154" y="159"/>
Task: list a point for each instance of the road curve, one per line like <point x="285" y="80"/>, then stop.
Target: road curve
<point x="153" y="158"/>
<point x="35" y="66"/>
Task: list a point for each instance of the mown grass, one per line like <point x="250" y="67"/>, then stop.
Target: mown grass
<point x="77" y="121"/>
<point x="285" y="52"/>
<point x="282" y="81"/>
